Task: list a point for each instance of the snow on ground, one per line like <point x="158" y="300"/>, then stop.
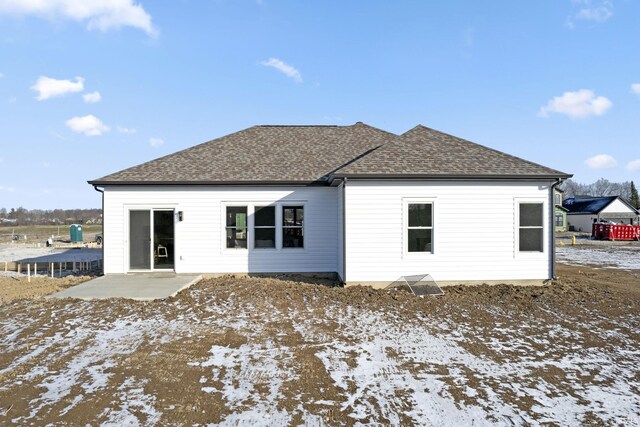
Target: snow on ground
<point x="623" y="257"/>
<point x="385" y="370"/>
<point x="379" y="359"/>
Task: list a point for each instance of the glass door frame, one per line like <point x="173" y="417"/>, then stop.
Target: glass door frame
<point x="127" y="246"/>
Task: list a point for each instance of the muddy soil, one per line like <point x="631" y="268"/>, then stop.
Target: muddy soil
<point x="278" y="352"/>
<point x="17" y="287"/>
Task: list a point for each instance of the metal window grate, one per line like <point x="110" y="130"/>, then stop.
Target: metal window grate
<point x="419" y="285"/>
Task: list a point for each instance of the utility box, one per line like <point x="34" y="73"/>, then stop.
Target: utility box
<point x="75" y="233"/>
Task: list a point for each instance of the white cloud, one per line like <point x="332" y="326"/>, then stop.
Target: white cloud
<point x="89" y="125"/>
<point x="577" y="105"/>
<point x="1" y="75"/>
<point x="283" y="67"/>
<point x="601" y="161"/>
<point x="591" y="11"/>
<point x="635" y="88"/>
<point x="123" y="129"/>
<point x="101" y="15"/>
<point x="634" y="165"/>
<point x="92" y="97"/>
<point x="155" y="142"/>
<point x="8" y="189"/>
<point x="49" y="88"/>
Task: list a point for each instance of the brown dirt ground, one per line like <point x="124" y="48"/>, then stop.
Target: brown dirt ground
<point x="16" y="288"/>
<point x="580" y="294"/>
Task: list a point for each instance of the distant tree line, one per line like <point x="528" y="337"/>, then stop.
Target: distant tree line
<point x="602" y="188"/>
<point x="22" y="216"/>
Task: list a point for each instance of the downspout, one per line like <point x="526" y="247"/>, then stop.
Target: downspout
<point x="553" y="228"/>
<point x="344" y="230"/>
<point x="95" y="187"/>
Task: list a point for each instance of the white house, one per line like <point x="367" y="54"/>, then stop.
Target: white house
<point x="365" y="204"/>
<point x="583" y="211"/>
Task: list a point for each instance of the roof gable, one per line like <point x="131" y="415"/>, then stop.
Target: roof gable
<point x="307" y="155"/>
<point x="424" y="152"/>
<point x="260" y="154"/>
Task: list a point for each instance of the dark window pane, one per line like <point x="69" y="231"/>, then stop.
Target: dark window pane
<point x="237" y="238"/>
<point x="531" y="214"/>
<point x="292" y="215"/>
<point x="559" y="220"/>
<point x="265" y="216"/>
<point x="420" y="215"/>
<point x="236" y="216"/>
<point x="265" y="237"/>
<point x="292" y="238"/>
<point x="531" y="239"/>
<point x="420" y="240"/>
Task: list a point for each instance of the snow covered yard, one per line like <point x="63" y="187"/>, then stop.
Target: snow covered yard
<point x="625" y="257"/>
<point x="238" y="351"/>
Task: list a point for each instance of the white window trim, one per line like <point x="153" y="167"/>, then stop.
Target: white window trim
<point x="516" y="230"/>
<point x="405" y="226"/>
<point x="251" y="205"/>
<point x="223" y="217"/>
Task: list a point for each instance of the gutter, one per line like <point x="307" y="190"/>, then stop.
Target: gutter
<point x="450" y="177"/>
<point x="95" y="187"/>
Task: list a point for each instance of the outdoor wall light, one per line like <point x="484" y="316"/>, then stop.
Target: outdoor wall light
<point x="180" y="216"/>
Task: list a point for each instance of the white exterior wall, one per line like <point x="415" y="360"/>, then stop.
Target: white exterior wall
<point x="581" y="222"/>
<point x="475" y="233"/>
<point x="200" y="237"/>
<point x="584" y="222"/>
<point x="617" y="207"/>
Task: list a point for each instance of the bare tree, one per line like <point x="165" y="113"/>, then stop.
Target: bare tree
<point x="601" y="188"/>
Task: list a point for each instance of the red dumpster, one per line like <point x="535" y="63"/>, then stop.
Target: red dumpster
<point x="615" y="232"/>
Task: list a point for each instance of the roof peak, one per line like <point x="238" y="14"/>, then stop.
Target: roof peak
<point x="358" y="123"/>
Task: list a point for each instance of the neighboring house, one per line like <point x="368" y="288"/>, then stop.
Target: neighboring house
<point x="560" y="215"/>
<point x="583" y="211"/>
<point x="366" y="204"/>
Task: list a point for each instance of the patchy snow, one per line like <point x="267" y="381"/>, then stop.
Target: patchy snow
<point x="387" y="371"/>
<point x="132" y="400"/>
<point x="389" y="359"/>
<point x="622" y="257"/>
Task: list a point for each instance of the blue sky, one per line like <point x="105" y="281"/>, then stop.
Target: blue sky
<point x="89" y="88"/>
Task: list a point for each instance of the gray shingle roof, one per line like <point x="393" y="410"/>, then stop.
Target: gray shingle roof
<point x="591" y="205"/>
<point x="296" y="154"/>
<point x="424" y="152"/>
<point x="312" y="154"/>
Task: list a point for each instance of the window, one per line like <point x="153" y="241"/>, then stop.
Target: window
<point x="558" y="201"/>
<point x="292" y="226"/>
<point x="420" y="227"/>
<point x="264" y="225"/>
<point x="237" y="227"/>
<point x="530" y="227"/>
<point x="559" y="220"/>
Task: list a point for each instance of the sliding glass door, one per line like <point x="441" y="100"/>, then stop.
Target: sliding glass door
<point x="151" y="239"/>
<point x="139" y="240"/>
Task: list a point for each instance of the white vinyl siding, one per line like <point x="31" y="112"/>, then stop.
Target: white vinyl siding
<point x="617" y="207"/>
<point x="474" y="234"/>
<point x="200" y="238"/>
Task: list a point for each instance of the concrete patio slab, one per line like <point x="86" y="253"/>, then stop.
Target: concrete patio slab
<point x="142" y="287"/>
